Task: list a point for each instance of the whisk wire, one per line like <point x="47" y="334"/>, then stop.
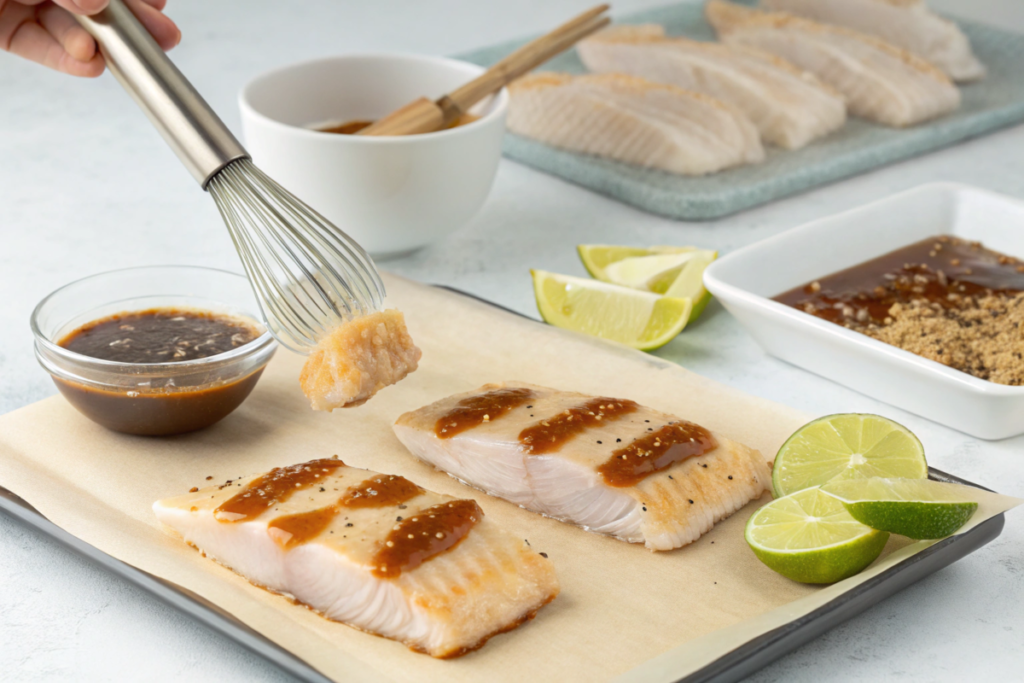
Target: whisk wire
<point x="307" y="274"/>
<point x="266" y="294"/>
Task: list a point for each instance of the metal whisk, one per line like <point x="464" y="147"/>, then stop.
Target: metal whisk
<point x="307" y="274"/>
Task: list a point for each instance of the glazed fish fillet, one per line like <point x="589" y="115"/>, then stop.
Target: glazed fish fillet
<point x="880" y="82"/>
<point x="790" y="107"/>
<point x="908" y="24"/>
<point x="357" y="359"/>
<point x="371" y="550"/>
<point x="633" y="120"/>
<point x="608" y="465"/>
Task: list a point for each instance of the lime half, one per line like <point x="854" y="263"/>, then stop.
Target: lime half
<point x="810" y="537"/>
<point x="916" y="508"/>
<point x="639" y="319"/>
<point x="672" y="271"/>
<point x="847" y="446"/>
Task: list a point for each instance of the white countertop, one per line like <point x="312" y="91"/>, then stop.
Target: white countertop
<point x="86" y="185"/>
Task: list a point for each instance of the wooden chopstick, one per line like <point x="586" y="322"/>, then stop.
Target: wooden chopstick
<point x="528" y="57"/>
<point x="424" y="116"/>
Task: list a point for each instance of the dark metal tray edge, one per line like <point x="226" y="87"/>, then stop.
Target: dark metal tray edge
<point x="732" y="666"/>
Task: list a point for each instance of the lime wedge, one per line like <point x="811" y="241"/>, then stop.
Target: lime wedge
<point x="597" y="257"/>
<point x="810" y="537"/>
<point x="672" y="271"/>
<point x="916" y="508"/>
<point x="847" y="446"/>
<point x="639" y="319"/>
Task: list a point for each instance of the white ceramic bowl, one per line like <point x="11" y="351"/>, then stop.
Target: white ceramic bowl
<point x="745" y="280"/>
<point x="391" y="194"/>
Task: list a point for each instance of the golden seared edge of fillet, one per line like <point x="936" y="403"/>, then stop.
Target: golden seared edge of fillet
<point x="357" y="359"/>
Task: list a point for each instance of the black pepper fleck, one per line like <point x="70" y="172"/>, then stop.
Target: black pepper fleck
<point x="544" y="555"/>
<point x="349" y="524"/>
<point x="730" y="476"/>
<point x="691" y="500"/>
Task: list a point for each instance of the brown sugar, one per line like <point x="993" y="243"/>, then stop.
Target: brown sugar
<point x="982" y="336"/>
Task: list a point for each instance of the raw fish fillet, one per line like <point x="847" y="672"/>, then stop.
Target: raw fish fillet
<point x="904" y="23"/>
<point x="608" y="465"/>
<point x="337" y="539"/>
<point x="790" y="107"/>
<point x="880" y="82"/>
<point x="633" y="120"/>
<point x="357" y="359"/>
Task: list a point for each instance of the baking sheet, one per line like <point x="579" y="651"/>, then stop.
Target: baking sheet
<point x="620" y="608"/>
<point x="859" y="146"/>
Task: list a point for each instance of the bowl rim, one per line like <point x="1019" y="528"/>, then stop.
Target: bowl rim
<point x="500" y="106"/>
<point x="874" y="348"/>
<point x="264" y="340"/>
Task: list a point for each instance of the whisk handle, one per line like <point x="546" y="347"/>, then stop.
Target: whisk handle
<point x="192" y="129"/>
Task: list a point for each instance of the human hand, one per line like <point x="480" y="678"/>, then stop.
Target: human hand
<point x="45" y="32"/>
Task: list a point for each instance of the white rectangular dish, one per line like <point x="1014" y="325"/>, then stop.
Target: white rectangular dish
<point x="745" y="280"/>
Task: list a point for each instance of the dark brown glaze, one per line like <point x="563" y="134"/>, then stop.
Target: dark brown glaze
<point x="303" y="527"/>
<point x="276" y="486"/>
<point x="161" y="411"/>
<point x="475" y="410"/>
<point x="655" y="452"/>
<point x="353" y="127"/>
<point x="548" y="435"/>
<point x="380" y="491"/>
<point x="943" y="270"/>
<point x="383" y="490"/>
<point x="428" y="533"/>
<point x="159" y="335"/>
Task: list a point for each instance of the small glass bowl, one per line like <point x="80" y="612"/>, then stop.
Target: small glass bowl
<point x="152" y="399"/>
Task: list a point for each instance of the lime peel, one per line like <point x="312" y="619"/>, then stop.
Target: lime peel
<point x="916" y="508"/>
<point x="809" y="537"/>
<point x="642" y="320"/>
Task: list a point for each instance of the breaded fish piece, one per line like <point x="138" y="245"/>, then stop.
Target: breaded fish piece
<point x="881" y="82"/>
<point x="634" y="121"/>
<point x="357" y="359"/>
<point x="789" y="106"/>
<point x="374" y="551"/>
<point x="608" y="465"/>
<point x="908" y="24"/>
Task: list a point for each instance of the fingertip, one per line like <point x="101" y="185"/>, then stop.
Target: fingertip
<point x="89" y="7"/>
<point x="80" y="45"/>
<point x="92" y="68"/>
<point x="173" y="38"/>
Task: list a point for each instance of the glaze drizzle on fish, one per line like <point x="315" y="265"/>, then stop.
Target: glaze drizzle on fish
<point x="609" y="465"/>
<point x="371" y="550"/>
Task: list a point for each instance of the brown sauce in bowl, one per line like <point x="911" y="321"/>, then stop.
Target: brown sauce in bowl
<point x="159" y="335"/>
<point x="941" y="270"/>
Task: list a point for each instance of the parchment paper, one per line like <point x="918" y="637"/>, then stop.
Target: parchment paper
<point x="620" y="605"/>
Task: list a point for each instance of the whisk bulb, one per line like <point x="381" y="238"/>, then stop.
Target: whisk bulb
<point x="308" y="275"/>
